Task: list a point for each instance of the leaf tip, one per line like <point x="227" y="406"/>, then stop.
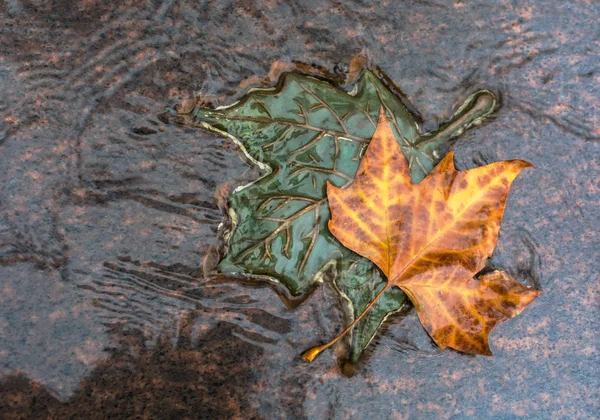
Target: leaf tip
<point x="329" y="186"/>
<point x="524" y="164"/>
<point x="382" y="117"/>
<point x="331" y="191"/>
<point x="518" y="165"/>
<point x="530" y="296"/>
<point x="447" y="163"/>
<point x="486" y="352"/>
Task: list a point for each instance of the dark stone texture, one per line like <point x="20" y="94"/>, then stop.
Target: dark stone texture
<point x="108" y="214"/>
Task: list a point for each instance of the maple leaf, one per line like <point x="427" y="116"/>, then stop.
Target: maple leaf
<point x="430" y="239"/>
<point x="304" y="133"/>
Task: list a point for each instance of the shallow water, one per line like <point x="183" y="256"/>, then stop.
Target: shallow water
<point x="108" y="214"/>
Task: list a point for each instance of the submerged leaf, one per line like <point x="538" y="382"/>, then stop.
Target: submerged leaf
<point x="430" y="239"/>
<point x="304" y="134"/>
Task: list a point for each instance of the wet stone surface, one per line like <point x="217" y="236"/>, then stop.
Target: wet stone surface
<point x="108" y="215"/>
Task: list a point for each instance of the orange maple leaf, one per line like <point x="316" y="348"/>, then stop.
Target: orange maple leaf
<point x="430" y="239"/>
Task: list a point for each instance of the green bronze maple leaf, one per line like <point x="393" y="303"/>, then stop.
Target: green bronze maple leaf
<point x="303" y="133"/>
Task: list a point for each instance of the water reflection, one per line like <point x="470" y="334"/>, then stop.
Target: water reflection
<point x="106" y="212"/>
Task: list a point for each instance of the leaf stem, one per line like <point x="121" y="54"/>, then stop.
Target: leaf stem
<point x="473" y="111"/>
<point x="310" y="354"/>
